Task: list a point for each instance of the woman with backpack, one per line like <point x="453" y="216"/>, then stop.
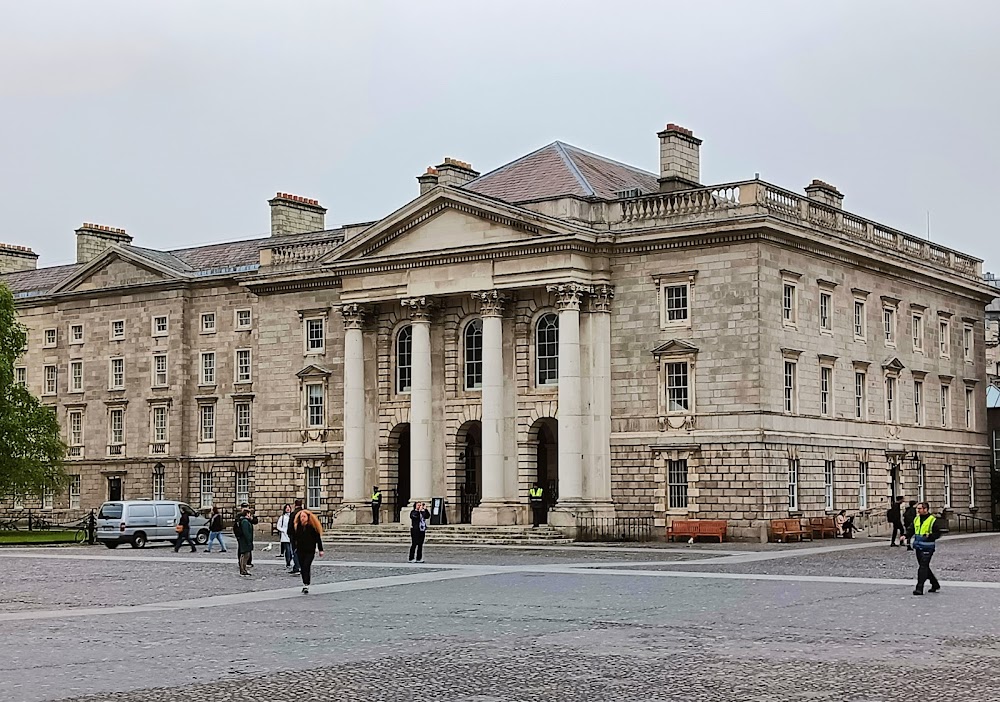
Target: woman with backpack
<point x="419" y="517"/>
<point x="306" y="537"/>
<point x="215" y="531"/>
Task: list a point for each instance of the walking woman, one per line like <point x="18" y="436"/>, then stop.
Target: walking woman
<point x="183" y="529"/>
<point x="286" y="545"/>
<point x="306" y="537"/>
<point x="215" y="531"/>
<point x="419" y="517"/>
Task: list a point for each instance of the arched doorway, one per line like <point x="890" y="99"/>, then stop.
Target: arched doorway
<point x="470" y="469"/>
<point x="545" y="433"/>
<point x="399" y="468"/>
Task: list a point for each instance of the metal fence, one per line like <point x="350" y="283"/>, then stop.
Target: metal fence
<point x="614" y="528"/>
<point x="31" y="521"/>
<point x="968" y="524"/>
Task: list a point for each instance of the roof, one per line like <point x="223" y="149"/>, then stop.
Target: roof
<point x="41" y="279"/>
<point x="561" y="170"/>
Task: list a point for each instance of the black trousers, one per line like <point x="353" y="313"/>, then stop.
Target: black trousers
<point x="924" y="572"/>
<point x="182" y="537"/>
<point x="417" y="544"/>
<point x="305" y="565"/>
<point x="537" y="514"/>
<point x="897" y="528"/>
<point x="375" y="509"/>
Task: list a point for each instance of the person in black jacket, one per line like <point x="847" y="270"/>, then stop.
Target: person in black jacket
<point x="895" y="517"/>
<point x="419" y="517"/>
<point x="296" y="569"/>
<point x="909" y="514"/>
<point x="254" y="520"/>
<point x="185" y="533"/>
<point x="306" y="535"/>
<point x="215" y="530"/>
<point x="376" y="503"/>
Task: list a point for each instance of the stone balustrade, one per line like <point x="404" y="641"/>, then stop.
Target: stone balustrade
<point x="756" y="197"/>
<point x="304" y="252"/>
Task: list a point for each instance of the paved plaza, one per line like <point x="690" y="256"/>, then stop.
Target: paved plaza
<point x="826" y="621"/>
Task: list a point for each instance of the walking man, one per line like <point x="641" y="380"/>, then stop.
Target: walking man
<point x="925" y="533"/>
<point x="243" y="530"/>
<point x="376" y="503"/>
<point x="184" y="533"/>
<point x="215" y="531"/>
<point x="536" y="496"/>
<point x="895" y="517"/>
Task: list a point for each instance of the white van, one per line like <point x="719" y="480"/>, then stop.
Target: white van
<point x="138" y="522"/>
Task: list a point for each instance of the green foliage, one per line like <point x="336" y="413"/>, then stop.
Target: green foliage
<point x="31" y="448"/>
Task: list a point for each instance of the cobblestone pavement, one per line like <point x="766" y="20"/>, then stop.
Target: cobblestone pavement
<point x="503" y="625"/>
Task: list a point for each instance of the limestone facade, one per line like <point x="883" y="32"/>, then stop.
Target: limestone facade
<point x="642" y="345"/>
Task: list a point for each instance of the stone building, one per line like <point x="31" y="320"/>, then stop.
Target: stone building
<point x="639" y="343"/>
<point x="993" y="335"/>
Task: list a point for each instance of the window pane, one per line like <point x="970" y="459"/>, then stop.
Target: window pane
<point x="314" y="402"/>
<point x="208" y="422"/>
<point x="677" y="303"/>
<point x="315" y="336"/>
<point x="404" y="359"/>
<point x="677" y="483"/>
<point x="677" y="387"/>
<point x="243" y="421"/>
<point x="314" y="488"/>
<point x="474" y="354"/>
<point x="547" y="350"/>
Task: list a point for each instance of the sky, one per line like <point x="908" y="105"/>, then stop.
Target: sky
<point x="179" y="120"/>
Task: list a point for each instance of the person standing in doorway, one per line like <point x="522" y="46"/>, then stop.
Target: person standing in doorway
<point x="306" y="535"/>
<point x="925" y="532"/>
<point x="284" y="522"/>
<point x="376" y="503"/>
<point x="215" y="530"/>
<point x="419" y="517"/>
<point x="895" y="517"/>
<point x="254" y="521"/>
<point x="243" y="530"/>
<point x="909" y="514"/>
<point x="184" y="533"/>
<point x="536" y="496"/>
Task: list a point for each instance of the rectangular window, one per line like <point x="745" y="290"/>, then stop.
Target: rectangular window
<point x="788" y="304"/>
<point x="918" y="402"/>
<point x="48" y="498"/>
<point x="242" y="488"/>
<point x="118" y="330"/>
<point x="889" y="319"/>
<point x="825" y="311"/>
<point x="21" y="376"/>
<point x="918" y="332"/>
<point x="943" y="340"/>
<point x="890" y="399"/>
<point x="75" y="428"/>
<point x="790" y="395"/>
<point x="676" y="303"/>
<point x="159" y="482"/>
<point x="117" y="419"/>
<point x="859" y="319"/>
<point x="922" y="482"/>
<point x="159" y="370"/>
<point x="969" y="399"/>
<point x="244" y="320"/>
<point x="51" y="336"/>
<point x="159" y="424"/>
<point x="160" y="325"/>
<point x="315" y="335"/>
<point x="947" y="486"/>
<point x="208" y="368"/>
<point x="972" y="487"/>
<point x="968" y="349"/>
<point x="76" y="376"/>
<point x="793" y="484"/>
<point x="208" y="323"/>
<point x="314" y="488"/>
<point x="677" y="483"/>
<point x="76" y="334"/>
<point x="74" y="491"/>
<point x="678" y="397"/>
<point x="244" y="374"/>
<point x="243" y="421"/>
<point x="207" y="491"/>
<point x="316" y="416"/>
<point x="860" y="396"/>
<point x="863" y="485"/>
<point x="825" y="388"/>
<point x="207" y="424"/>
<point x="945" y="392"/>
<point x="51" y="380"/>
<point x="117" y="379"/>
<point x="829" y="471"/>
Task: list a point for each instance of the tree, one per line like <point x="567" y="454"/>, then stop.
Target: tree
<point x="31" y="448"/>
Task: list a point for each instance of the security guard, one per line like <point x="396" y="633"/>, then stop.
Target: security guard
<point x="537" y="498"/>
<point x="376" y="503"/>
<point x="924" y="533"/>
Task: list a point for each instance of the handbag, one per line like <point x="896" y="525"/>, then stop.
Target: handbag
<point x="178" y="528"/>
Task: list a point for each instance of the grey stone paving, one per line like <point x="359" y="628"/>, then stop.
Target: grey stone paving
<point x="519" y="634"/>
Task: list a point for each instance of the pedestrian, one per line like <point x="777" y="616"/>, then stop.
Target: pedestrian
<point x="282" y="526"/>
<point x="243" y="529"/>
<point x="254" y="521"/>
<point x="296" y="566"/>
<point x="925" y="532"/>
<point x="536" y="496"/>
<point x="376" y="503"/>
<point x="894" y="515"/>
<point x="909" y="514"/>
<point x="183" y="529"/>
<point x="839" y="520"/>
<point x="215" y="530"/>
<point x="306" y="534"/>
<point x="418" y="531"/>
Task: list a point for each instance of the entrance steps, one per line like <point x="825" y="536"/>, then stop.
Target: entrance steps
<point x="457" y="534"/>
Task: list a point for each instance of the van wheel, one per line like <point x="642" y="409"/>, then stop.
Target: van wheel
<point x="139" y="540"/>
<point x="202" y="538"/>
<point x="111" y="544"/>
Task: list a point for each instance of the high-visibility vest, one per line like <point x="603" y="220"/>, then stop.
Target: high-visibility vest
<point x="923" y="526"/>
<point x="535" y="492"/>
<point x="376" y="496"/>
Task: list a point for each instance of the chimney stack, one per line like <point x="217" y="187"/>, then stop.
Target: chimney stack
<point x="680" y="162"/>
<point x="93" y="239"/>
<point x="825" y="193"/>
<point x="428" y="180"/>
<point x="455" y="173"/>
<point x="17" y="258"/>
<point x="292" y="214"/>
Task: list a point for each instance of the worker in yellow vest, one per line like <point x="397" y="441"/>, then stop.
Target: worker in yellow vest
<point x="924" y="534"/>
<point x="536" y="496"/>
<point x="376" y="503"/>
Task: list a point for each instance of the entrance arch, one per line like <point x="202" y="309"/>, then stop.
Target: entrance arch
<point x="544" y="434"/>
<point x="470" y="468"/>
<point x="399" y="468"/>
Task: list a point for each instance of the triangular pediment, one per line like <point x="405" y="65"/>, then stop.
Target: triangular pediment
<point x="313" y="371"/>
<point x="893" y="364"/>
<point x="675" y="347"/>
<point x="115" y="268"/>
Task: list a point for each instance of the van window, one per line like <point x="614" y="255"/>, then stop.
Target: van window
<point x="141" y="511"/>
<point x="187" y="510"/>
<point x="165" y="511"/>
<point x="110" y="510"/>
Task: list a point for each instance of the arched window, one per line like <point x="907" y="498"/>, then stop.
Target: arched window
<point x="404" y="359"/>
<point x="547" y="349"/>
<point x="474" y="354"/>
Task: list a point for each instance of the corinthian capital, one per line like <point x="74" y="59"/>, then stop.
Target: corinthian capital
<point x="420" y="308"/>
<point x="600" y="298"/>
<point x="569" y="295"/>
<point x="491" y="302"/>
<point x="353" y="314"/>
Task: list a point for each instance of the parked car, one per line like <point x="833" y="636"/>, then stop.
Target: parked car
<point x="139" y="522"/>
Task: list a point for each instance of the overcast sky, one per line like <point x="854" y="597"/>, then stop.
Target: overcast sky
<point x="178" y="120"/>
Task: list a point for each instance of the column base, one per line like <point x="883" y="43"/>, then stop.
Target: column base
<point x="352" y="513"/>
<point x="495" y="514"/>
<point x="565" y="514"/>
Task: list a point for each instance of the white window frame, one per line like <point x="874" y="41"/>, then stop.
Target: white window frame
<point x="207" y="375"/>
<point x="918" y="332"/>
<point x="402" y="359"/>
<point x="242" y="487"/>
<point x="863" y="485"/>
<point x="237" y="323"/>
<point x="50" y="379"/>
<point x="968" y="343"/>
<point x="118" y="440"/>
<point x="947" y="487"/>
<point x="309" y="340"/>
<point x="945" y="405"/>
<point x="472" y="358"/>
<point x="891" y="386"/>
<point x="113" y="375"/>
<point x="665" y="282"/>
<point x="551" y="375"/>
<point x="314" y="488"/>
<point x="159" y="482"/>
<point x="48" y="498"/>
<point x="860" y="319"/>
<point x="789" y="302"/>
<point x="75" y="483"/>
<point x="790" y="386"/>
<point x="922" y="481"/>
<point x="160" y="432"/>
<point x="889" y="325"/>
<point x="74" y="427"/>
<point x="944" y="338"/>
<point x="918" y="402"/>
<point x="677" y="484"/>
<point x="794" y="466"/>
<point x="309" y="405"/>
<point x="21" y="376"/>
<point x="860" y="395"/>
<point x="206" y="489"/>
<point x="50" y="338"/>
<point x="75" y="379"/>
<point x="678" y="397"/>
<point x="826" y="390"/>
<point x="970" y="403"/>
<point x="161" y="378"/>
<point x="826" y="311"/>
<point x="208" y="323"/>
<point x="154" y="330"/>
<point x="206" y="422"/>
<point x="244" y="429"/>
<point x="112" y="335"/>
<point x="73" y="340"/>
<point x="239" y="375"/>
<point x="972" y="487"/>
<point x="829" y="484"/>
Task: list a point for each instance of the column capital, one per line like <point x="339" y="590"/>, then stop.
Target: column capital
<point x="420" y="308"/>
<point x="600" y="298"/>
<point x="569" y="295"/>
<point x="491" y="302"/>
<point x="354" y="315"/>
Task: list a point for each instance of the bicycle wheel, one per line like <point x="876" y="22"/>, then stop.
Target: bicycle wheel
<point x="80" y="536"/>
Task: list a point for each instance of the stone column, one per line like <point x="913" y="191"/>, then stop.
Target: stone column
<point x="496" y="507"/>
<point x="600" y="378"/>
<point x="355" y="490"/>
<point x="421" y="414"/>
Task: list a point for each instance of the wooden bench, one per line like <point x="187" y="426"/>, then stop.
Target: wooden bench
<point x="822" y="527"/>
<point x="783" y="529"/>
<point x="693" y="528"/>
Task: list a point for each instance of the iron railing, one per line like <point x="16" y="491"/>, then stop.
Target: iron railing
<point x="957" y="523"/>
<point x="614" y="528"/>
<point x="30" y="520"/>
